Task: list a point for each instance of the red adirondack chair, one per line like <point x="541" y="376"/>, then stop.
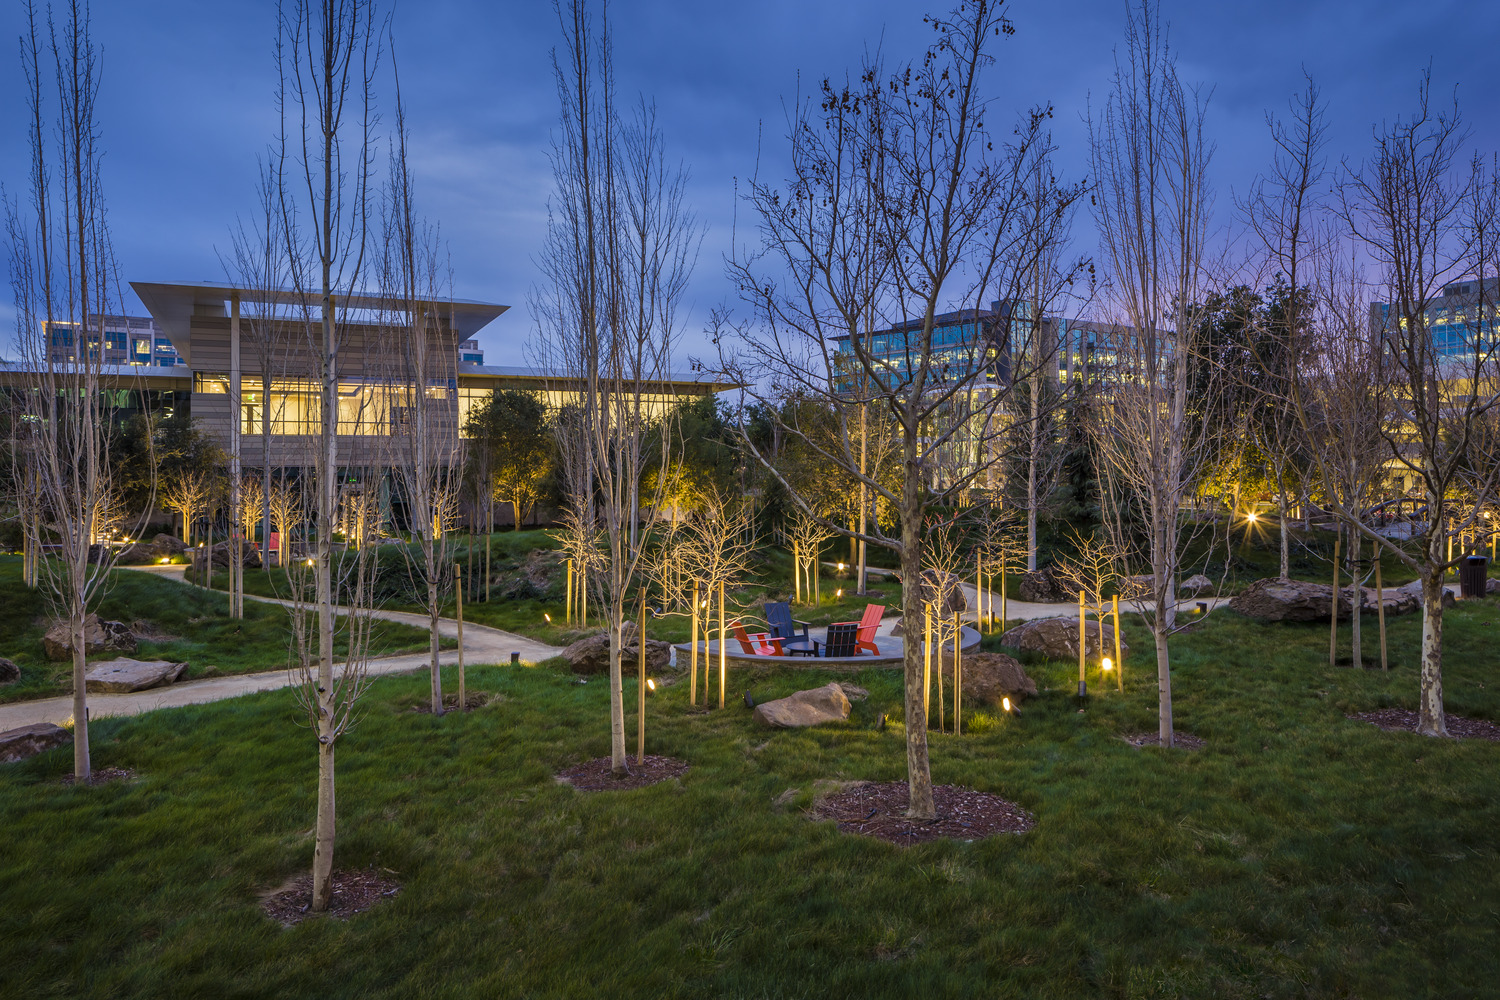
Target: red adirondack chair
<point x="756" y="643"/>
<point x="867" y="626"/>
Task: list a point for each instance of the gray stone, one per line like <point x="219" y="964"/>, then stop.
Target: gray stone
<point x="805" y="708"/>
<point x="590" y="655"/>
<point x="1414" y="591"/>
<point x="125" y="675"/>
<point x="1041" y="587"/>
<point x="989" y="677"/>
<point x="1057" y="638"/>
<point x="9" y="672"/>
<point x="143" y="552"/>
<point x="1195" y="585"/>
<point x="945" y="591"/>
<point x="1289" y="601"/>
<point x="28" y="741"/>
<point x="98" y="637"/>
<point x="223" y="554"/>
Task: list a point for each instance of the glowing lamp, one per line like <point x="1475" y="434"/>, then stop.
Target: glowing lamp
<point x="1005" y="704"/>
<point x="309" y="562"/>
<point x="165" y="560"/>
<point x="650" y="685"/>
<point x="1108" y="664"/>
<point x="548" y="617"/>
<point x="1251" y="517"/>
<point x="841" y="567"/>
<point x="839" y="592"/>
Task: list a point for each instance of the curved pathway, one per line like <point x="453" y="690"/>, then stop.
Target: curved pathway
<point x="482" y="645"/>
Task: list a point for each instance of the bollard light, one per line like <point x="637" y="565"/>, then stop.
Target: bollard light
<point x="515" y="658"/>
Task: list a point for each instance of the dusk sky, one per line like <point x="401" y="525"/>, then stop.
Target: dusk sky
<point x="187" y="105"/>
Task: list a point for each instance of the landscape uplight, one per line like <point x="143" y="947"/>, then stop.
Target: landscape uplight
<point x="309" y="562"/>
<point x="548" y="617"/>
<point x="839" y="592"/>
<point x="1005" y="704"/>
<point x="1251" y="517"/>
<point x="650" y="685"/>
<point x="1108" y="664"/>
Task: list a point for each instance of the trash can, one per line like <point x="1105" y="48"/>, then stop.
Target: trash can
<point x="1471" y="576"/>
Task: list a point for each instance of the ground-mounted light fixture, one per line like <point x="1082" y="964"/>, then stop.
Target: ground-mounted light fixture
<point x="650" y="685"/>
<point x="1005" y="703"/>
<point x="1108" y="664"/>
<point x="548" y="617"/>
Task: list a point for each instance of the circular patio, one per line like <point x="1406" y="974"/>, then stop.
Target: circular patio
<point x="892" y="652"/>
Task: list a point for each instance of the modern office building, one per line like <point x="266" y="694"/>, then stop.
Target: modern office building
<point x="1464" y="319"/>
<point x="126" y="340"/>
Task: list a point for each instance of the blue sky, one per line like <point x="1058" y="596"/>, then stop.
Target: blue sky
<point x="188" y="85"/>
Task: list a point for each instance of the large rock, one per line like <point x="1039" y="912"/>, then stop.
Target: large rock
<point x="125" y="675"/>
<point x="223" y="554"/>
<point x="988" y="677"/>
<point x="1057" y="638"/>
<point x="98" y="637"/>
<point x="1042" y="587"/>
<point x="1289" y="601"/>
<point x="1396" y="600"/>
<point x="28" y="741"/>
<point x="944" y="591"/>
<point x="145" y="553"/>
<point x="590" y="655"/>
<point x="9" y="672"/>
<point x="805" y="708"/>
<point x="1195" y="585"/>
<point x="1413" y="591"/>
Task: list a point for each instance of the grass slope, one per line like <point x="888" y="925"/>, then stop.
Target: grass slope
<point x="206" y="638"/>
<point x="1299" y="854"/>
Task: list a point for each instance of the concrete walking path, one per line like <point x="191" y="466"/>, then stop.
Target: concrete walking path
<point x="482" y="645"/>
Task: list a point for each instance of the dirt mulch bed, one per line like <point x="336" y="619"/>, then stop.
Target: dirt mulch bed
<point x="353" y="892"/>
<point x="878" y="809"/>
<point x="474" y="699"/>
<point x="1180" y="740"/>
<point x="1400" y="720"/>
<point x="102" y="776"/>
<point x="595" y="775"/>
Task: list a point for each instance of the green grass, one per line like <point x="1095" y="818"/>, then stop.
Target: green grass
<point x="1299" y="854"/>
<point x="207" y="639"/>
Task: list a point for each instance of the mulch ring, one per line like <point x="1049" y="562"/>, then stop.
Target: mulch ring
<point x="595" y="775"/>
<point x="1180" y="740"/>
<point x="353" y="892"/>
<point x="878" y="809"/>
<point x="473" y="700"/>
<point x="1400" y="720"/>
<point x="102" y="776"/>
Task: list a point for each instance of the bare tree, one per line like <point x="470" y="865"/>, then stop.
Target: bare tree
<point x="64" y="283"/>
<point x="423" y="442"/>
<point x="190" y="492"/>
<point x="1150" y="161"/>
<point x="328" y="53"/>
<point x="1429" y="223"/>
<point x="900" y="205"/>
<point x="620" y="247"/>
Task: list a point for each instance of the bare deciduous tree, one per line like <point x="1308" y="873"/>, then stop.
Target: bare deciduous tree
<point x="64" y="282"/>
<point x="900" y="206"/>
<point x="1150" y="161"/>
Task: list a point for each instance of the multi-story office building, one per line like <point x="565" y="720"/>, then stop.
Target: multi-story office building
<point x="126" y="340"/>
<point x="469" y="353"/>
<point x="1464" y="319"/>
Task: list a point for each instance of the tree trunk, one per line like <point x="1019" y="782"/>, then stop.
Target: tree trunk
<point x="1163" y="684"/>
<point x="1286" y="545"/>
<point x="81" y="768"/>
<point x="1432" y="721"/>
<point x="918" y="767"/>
<point x="616" y="690"/>
<point x="323" y="844"/>
<point x="433" y="644"/>
<point x="1356" y="658"/>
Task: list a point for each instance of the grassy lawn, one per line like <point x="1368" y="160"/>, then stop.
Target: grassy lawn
<point x="1299" y="854"/>
<point x="205" y="637"/>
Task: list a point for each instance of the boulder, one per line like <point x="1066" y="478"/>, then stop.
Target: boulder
<point x="1137" y="586"/>
<point x="590" y="655"/>
<point x="1041" y="587"/>
<point x="1057" y="638"/>
<point x="1289" y="601"/>
<point x="805" y="708"/>
<point x="146" y="553"/>
<point x="125" y="675"/>
<point x="1397" y="601"/>
<point x="223" y="554"/>
<point x="1195" y="585"/>
<point x="28" y="741"/>
<point x="1413" y="592"/>
<point x="98" y="637"/>
<point x="989" y="677"/>
<point x="945" y="591"/>
<point x="9" y="672"/>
